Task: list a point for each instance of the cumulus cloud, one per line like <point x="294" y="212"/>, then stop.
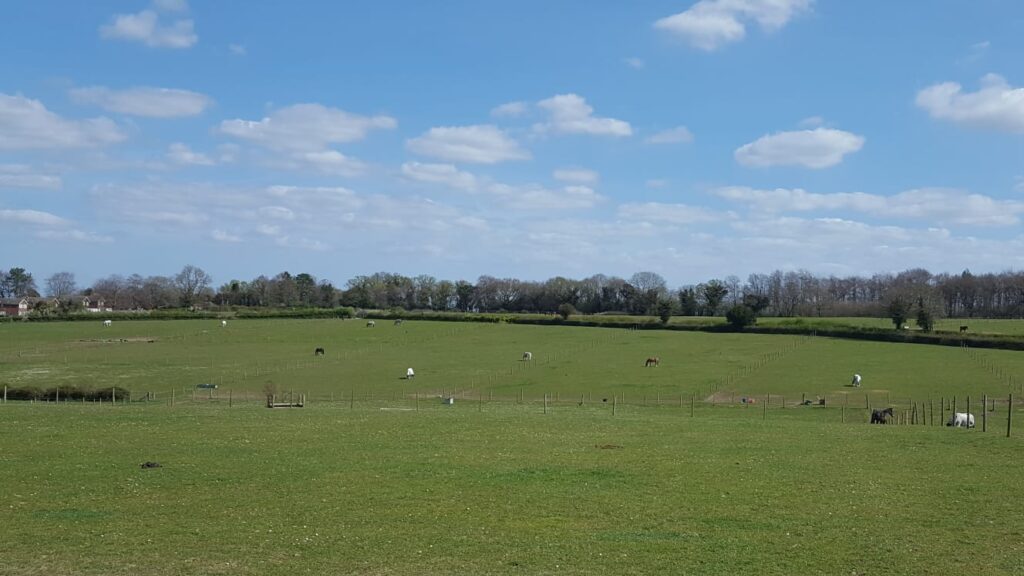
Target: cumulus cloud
<point x="531" y="197"/>
<point x="180" y="153"/>
<point x="570" y="114"/>
<point x="677" y="214"/>
<point x="27" y="124"/>
<point x="677" y="135"/>
<point x="74" y="235"/>
<point x="711" y="24"/>
<point x="940" y="205"/>
<point x="445" y="174"/>
<point x="995" y="106"/>
<point x="144" y="101"/>
<point x="306" y="127"/>
<point x="24" y="177"/>
<point x="479" y="144"/>
<point x="150" y="29"/>
<point x="817" y="148"/>
<point x="237" y="49"/>
<point x="326" y="162"/>
<point x="510" y="110"/>
<point x="576" y="175"/>
<point x="32" y="217"/>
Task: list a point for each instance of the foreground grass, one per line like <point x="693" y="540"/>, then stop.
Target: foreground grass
<point x="505" y="490"/>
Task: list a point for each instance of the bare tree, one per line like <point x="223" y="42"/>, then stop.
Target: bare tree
<point x="61" y="285"/>
<point x="191" y="282"/>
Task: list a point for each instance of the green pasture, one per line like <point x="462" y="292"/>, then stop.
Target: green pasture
<point x="485" y="359"/>
<point x="672" y="474"/>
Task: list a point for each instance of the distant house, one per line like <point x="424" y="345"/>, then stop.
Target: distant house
<point x="97" y="305"/>
<point x="15" y="307"/>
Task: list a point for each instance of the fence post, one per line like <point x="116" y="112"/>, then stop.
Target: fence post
<point x="352" y="399"/>
<point x="545" y="402"/>
<point x="693" y="399"/>
<point x="968" y="413"/>
<point x="764" y="413"/>
<point x="172" y="397"/>
<point x="615" y="400"/>
<point x="1009" y="414"/>
<point x="229" y="398"/>
<point x="984" y="413"/>
<point x="5" y="393"/>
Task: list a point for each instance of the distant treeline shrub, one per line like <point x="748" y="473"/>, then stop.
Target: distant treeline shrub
<point x="70" y="392"/>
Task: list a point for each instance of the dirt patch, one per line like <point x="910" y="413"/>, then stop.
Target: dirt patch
<point x="608" y="446"/>
<point x="145" y="339"/>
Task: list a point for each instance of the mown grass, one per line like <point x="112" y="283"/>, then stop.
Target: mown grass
<point x="503" y="490"/>
<point x="393" y="485"/>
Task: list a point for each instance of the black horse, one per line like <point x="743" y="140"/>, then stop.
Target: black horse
<point x="881" y="416"/>
<point x="318" y="352"/>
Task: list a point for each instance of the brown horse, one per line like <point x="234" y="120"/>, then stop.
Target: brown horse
<point x="652" y="361"/>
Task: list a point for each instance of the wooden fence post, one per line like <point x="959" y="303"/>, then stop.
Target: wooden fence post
<point x="615" y="400"/>
<point x="984" y="413"/>
<point x="693" y="399"/>
<point x="1009" y="414"/>
<point x="545" y="402"/>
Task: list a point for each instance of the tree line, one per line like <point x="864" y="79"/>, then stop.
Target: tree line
<point x="779" y="293"/>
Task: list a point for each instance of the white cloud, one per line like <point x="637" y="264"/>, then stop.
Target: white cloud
<point x="277" y="213"/>
<point x="995" y="106"/>
<point x="309" y="127"/>
<point x="73" y="235"/>
<point x="326" y="162"/>
<point x="35" y="217"/>
<point x="479" y="144"/>
<point x="180" y="153"/>
<point x="677" y="214"/>
<point x="445" y="174"/>
<point x="223" y="236"/>
<point x="570" y="114"/>
<point x="237" y="49"/>
<point x="27" y="124"/>
<point x="531" y="197"/>
<point x="818" y="148"/>
<point x="577" y="175"/>
<point x="147" y="28"/>
<point x="711" y="24"/>
<point x="812" y="122"/>
<point x="144" y="101"/>
<point x="634" y="62"/>
<point x="677" y="135"/>
<point x="510" y="110"/>
<point x="656" y="183"/>
<point x="941" y="205"/>
<point x="21" y="176"/>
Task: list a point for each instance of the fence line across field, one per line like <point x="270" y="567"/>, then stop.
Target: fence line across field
<point x="911" y="412"/>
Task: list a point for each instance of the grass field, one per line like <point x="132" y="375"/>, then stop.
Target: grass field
<point x="376" y="482"/>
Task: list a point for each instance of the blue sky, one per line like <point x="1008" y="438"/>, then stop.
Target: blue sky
<point x="527" y="139"/>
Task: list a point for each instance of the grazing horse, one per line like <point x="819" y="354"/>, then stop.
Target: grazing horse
<point x="881" y="416"/>
<point x="961" y="420"/>
<point x="318" y="352"/>
<point x="963" y="329"/>
<point x="399" y="322"/>
<point x="856" y="381"/>
<point x="107" y="322"/>
<point x="409" y="374"/>
<point x="527" y="356"/>
<point x="223" y="323"/>
<point x="370" y="323"/>
<point x="652" y="361"/>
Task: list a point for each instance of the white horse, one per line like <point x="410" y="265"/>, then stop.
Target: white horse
<point x="527" y="356"/>
<point x="961" y="420"/>
<point x="223" y="323"/>
<point x="409" y="374"/>
<point x="856" y="381"/>
<point x="107" y="323"/>
<point x="370" y="324"/>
